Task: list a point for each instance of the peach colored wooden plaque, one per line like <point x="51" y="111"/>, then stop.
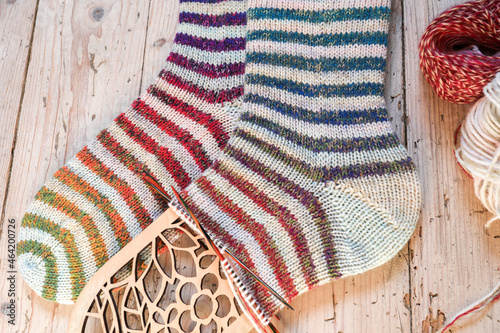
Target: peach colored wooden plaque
<point x="167" y="280"/>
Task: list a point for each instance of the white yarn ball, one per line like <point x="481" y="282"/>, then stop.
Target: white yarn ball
<point x="479" y="149"/>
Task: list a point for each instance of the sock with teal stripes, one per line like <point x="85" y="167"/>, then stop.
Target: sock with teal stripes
<point x="98" y="201"/>
<point x="313" y="185"/>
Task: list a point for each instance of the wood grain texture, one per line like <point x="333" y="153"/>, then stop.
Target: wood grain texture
<point x="163" y="17"/>
<point x="86" y="68"/>
<point x="90" y="59"/>
<point x="454" y="262"/>
<point x="16" y="27"/>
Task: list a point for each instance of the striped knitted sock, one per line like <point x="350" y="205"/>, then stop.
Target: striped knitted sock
<point x="313" y="185"/>
<point x="98" y="202"/>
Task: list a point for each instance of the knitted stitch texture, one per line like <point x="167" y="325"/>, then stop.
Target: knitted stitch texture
<point x="313" y="185"/>
<point x="98" y="201"/>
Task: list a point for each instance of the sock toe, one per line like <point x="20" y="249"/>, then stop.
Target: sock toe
<point x="32" y="267"/>
<point x="48" y="258"/>
<point x="367" y="233"/>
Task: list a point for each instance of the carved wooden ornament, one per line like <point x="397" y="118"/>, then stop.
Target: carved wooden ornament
<point x="167" y="280"/>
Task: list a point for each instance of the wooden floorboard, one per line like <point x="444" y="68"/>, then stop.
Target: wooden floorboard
<point x="90" y="59"/>
<point x="16" y="30"/>
<point x="86" y="67"/>
<point x="453" y="260"/>
<point x="15" y="36"/>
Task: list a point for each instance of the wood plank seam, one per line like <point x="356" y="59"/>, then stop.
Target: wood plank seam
<point x="14" y="141"/>
<point x="144" y="47"/>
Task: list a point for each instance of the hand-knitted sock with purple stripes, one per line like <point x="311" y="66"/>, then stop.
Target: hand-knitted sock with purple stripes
<point x="98" y="201"/>
<point x="313" y="185"/>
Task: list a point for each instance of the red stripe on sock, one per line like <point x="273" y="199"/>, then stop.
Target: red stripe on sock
<point x="307" y="199"/>
<point x="257" y="231"/>
<point x="213" y="125"/>
<point x="127" y="159"/>
<point x="186" y="139"/>
<point x="213" y="228"/>
<point x="209" y="96"/>
<point x="162" y="153"/>
<point x="286" y="219"/>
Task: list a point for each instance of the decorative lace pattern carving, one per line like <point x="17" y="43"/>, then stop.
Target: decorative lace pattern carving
<point x="181" y="288"/>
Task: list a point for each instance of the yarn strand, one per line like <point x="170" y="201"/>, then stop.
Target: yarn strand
<point x="478" y="306"/>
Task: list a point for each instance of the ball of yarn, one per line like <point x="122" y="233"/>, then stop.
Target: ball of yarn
<point x="460" y="50"/>
<point x="479" y="147"/>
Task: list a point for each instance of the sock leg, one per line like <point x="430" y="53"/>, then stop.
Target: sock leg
<point x="314" y="184"/>
<point x="98" y="202"/>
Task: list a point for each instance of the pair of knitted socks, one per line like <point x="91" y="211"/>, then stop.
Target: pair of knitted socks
<point x="270" y="116"/>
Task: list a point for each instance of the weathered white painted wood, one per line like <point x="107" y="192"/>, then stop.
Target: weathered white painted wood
<point x="16" y="25"/>
<point x="454" y="261"/>
<point x="86" y="66"/>
<point x="163" y="18"/>
<point x="394" y="89"/>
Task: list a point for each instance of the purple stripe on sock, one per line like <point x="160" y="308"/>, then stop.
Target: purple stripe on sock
<point x="208" y="1"/>
<point x="228" y="44"/>
<point x="212" y="71"/>
<point x="367" y="170"/>
<point x="217" y="21"/>
<point x="209" y="96"/>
